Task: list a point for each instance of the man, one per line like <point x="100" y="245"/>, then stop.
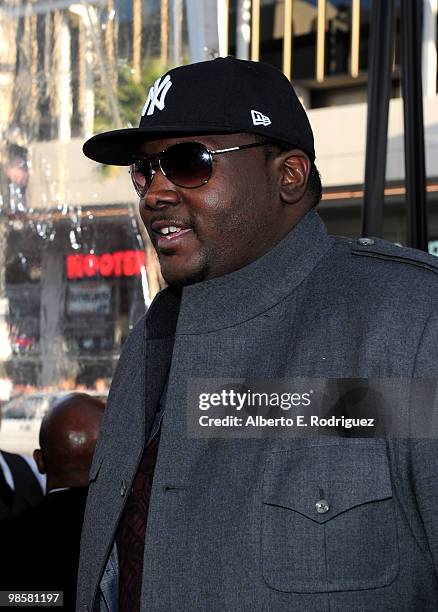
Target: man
<point x="223" y="162"/>
<point x="40" y="548"/>
<point x="20" y="487"/>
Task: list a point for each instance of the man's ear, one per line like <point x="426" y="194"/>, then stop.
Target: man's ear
<point x="39" y="460"/>
<point x="294" y="173"/>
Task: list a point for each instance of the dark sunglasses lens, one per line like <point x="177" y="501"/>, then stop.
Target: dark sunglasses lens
<point x="187" y="164"/>
<point x="140" y="175"/>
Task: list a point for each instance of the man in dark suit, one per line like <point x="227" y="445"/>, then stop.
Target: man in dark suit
<point x="40" y="548"/>
<point x="180" y="519"/>
<point x="19" y="487"/>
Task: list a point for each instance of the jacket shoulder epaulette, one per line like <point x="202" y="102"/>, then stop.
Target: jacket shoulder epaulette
<point x="389" y="251"/>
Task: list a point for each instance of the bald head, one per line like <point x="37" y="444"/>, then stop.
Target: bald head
<point x="68" y="436"/>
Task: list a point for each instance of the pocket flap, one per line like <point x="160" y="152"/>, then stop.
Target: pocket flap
<point x="322" y="481"/>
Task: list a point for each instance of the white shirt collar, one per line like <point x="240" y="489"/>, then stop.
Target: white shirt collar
<point x="6" y="472"/>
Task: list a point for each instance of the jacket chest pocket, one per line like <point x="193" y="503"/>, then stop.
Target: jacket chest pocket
<point x="328" y="518"/>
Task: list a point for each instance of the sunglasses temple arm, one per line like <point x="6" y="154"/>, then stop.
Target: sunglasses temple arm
<point x="225" y="150"/>
<point x="245" y="146"/>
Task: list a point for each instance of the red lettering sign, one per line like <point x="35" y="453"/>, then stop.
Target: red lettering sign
<point x="90" y="265"/>
<point x="106" y="264"/>
<point x="122" y="263"/>
<point x="117" y="257"/>
<point x="74" y="266"/>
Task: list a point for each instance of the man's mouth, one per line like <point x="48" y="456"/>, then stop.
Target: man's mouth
<point x="169" y="233"/>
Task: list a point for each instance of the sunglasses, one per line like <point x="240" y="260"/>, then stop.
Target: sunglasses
<point x="187" y="164"/>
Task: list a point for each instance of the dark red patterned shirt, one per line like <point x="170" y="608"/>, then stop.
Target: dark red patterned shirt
<point x="132" y="530"/>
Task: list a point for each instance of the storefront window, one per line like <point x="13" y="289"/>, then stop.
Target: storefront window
<point x="365" y="22"/>
<point x="271" y="32"/>
<point x="76" y="268"/>
<point x="305" y="18"/>
<point x="364" y="49"/>
<point x="338" y="36"/>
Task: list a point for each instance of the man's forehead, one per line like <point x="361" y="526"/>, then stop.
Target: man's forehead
<point x="210" y="140"/>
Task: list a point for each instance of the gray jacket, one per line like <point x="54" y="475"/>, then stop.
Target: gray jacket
<point x="232" y="523"/>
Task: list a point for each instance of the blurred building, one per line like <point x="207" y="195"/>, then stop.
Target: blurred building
<point x="76" y="270"/>
<point x="323" y="46"/>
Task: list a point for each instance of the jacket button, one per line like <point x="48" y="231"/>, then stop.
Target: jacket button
<point x="123" y="488"/>
<point x="366" y="241"/>
<point x="322" y="506"/>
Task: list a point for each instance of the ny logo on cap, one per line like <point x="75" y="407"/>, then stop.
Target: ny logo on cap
<point x="157" y="95"/>
<point x="259" y="118"/>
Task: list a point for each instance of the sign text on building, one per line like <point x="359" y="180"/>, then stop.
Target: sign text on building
<point x="121" y="263"/>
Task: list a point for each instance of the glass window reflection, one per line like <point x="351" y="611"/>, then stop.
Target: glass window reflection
<point x="305" y="18"/>
<point x="338" y="37"/>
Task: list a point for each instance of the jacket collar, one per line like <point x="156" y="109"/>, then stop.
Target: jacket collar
<point x="231" y="299"/>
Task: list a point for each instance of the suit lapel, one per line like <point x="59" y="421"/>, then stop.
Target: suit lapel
<point x="160" y="329"/>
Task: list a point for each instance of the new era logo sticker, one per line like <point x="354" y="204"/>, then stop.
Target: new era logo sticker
<point x="259" y="118"/>
<point x="157" y="95"/>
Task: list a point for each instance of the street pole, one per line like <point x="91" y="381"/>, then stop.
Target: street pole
<point x="411" y="29"/>
<point x="379" y="88"/>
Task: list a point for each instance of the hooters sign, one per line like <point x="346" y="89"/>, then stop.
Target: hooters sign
<point x="121" y="263"/>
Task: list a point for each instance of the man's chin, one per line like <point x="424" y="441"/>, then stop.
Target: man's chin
<point x="182" y="278"/>
<point x="184" y="270"/>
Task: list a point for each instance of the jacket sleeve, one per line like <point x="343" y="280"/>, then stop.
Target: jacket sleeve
<point x="426" y="358"/>
<point x="425" y="480"/>
<point x="425" y="451"/>
<point x="132" y="348"/>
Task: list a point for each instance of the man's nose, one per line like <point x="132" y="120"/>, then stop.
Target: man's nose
<point x="161" y="192"/>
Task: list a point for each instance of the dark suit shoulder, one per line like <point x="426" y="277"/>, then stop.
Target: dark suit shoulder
<point x="73" y="499"/>
<point x="136" y="335"/>
<point x="385" y="251"/>
<point x="376" y="276"/>
<point x="130" y="354"/>
<point x="28" y="492"/>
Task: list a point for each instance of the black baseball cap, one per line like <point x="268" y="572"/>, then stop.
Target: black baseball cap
<point x="221" y="96"/>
